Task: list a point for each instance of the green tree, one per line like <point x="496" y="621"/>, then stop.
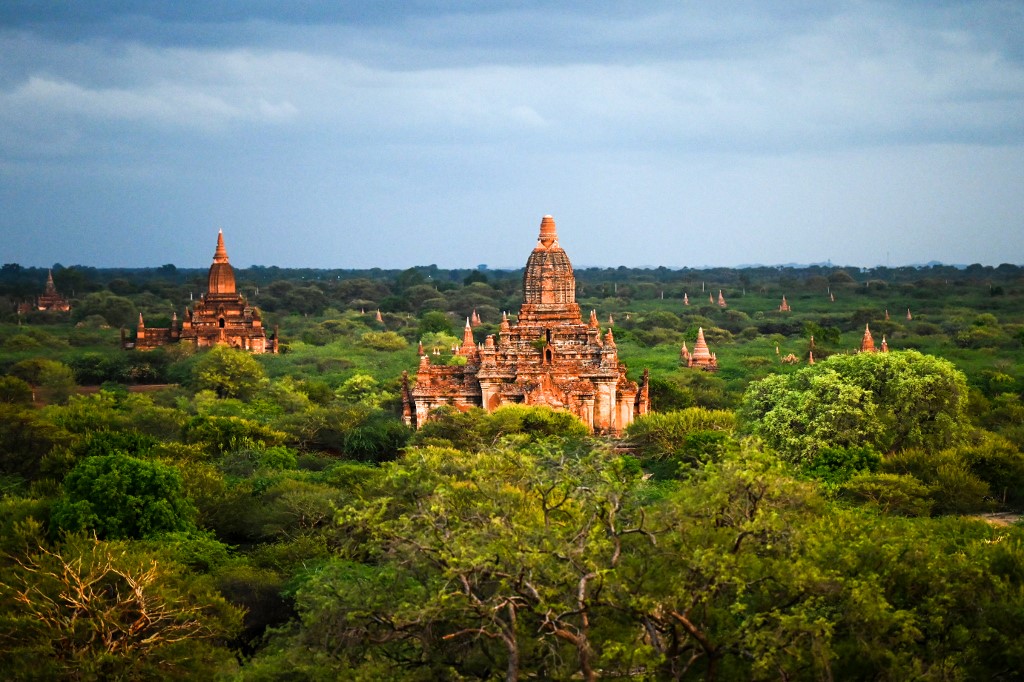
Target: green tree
<point x="887" y="401"/>
<point x="671" y="443"/>
<point x="219" y="435"/>
<point x="434" y="322"/>
<point x="363" y="389"/>
<point x="897" y="494"/>
<point x="26" y="437"/>
<point x="476" y="429"/>
<point x="229" y="372"/>
<point x="497" y="556"/>
<point x="118" y="311"/>
<point x="15" y="391"/>
<point x="384" y="341"/>
<point x="659" y="435"/>
<point x="117" y="496"/>
<point x="55" y="378"/>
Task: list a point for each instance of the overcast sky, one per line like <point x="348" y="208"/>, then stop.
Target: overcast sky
<point x="394" y="134"/>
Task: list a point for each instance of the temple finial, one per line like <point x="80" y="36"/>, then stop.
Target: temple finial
<point x="548" y="235"/>
<point x="221" y="254"/>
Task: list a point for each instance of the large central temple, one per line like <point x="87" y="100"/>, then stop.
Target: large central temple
<point x="549" y="356"/>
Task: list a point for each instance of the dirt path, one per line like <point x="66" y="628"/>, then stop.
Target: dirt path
<point x="1001" y="518"/>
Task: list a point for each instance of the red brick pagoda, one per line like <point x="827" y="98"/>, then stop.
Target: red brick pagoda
<point x="221" y="317"/>
<point x="549" y="356"/>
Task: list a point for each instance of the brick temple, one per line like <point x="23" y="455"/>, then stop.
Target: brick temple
<point x="549" y="356"/>
<point x="222" y="317"/>
<point x="50" y="299"/>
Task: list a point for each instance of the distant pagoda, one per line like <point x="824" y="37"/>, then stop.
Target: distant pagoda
<point x="700" y="357"/>
<point x="221" y="317"/>
<point x="867" y="343"/>
<point x="50" y="300"/>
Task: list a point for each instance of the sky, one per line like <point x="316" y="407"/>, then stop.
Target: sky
<point x="392" y="134"/>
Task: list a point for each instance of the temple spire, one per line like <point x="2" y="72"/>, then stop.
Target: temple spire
<point x="467" y="338"/>
<point x="221" y="254"/>
<point x="594" y="324"/>
<point x="51" y="288"/>
<point x="867" y="344"/>
<point x="700" y="348"/>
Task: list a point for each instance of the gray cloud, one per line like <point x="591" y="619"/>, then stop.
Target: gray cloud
<point x="442" y="116"/>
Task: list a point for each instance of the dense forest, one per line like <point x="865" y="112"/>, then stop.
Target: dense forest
<point x="219" y="515"/>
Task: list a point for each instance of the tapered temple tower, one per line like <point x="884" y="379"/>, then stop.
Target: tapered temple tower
<point x="549" y="356"/>
<point x="867" y="343"/>
<point x="221" y="317"/>
<point x="701" y="356"/>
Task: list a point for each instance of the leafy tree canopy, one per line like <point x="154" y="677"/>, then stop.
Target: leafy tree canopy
<point x="229" y="372"/>
<point x="118" y="496"/>
<point x="887" y="401"/>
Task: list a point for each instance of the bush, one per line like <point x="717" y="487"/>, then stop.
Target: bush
<point x="897" y="494"/>
<point x="387" y="341"/>
<point x="954" y="489"/>
<point x="690" y="435"/>
<point x="835" y="466"/>
<point x="999" y="463"/>
<point x="475" y="429"/>
<point x="378" y="439"/>
<point x="15" y="391"/>
<point x="218" y="435"/>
